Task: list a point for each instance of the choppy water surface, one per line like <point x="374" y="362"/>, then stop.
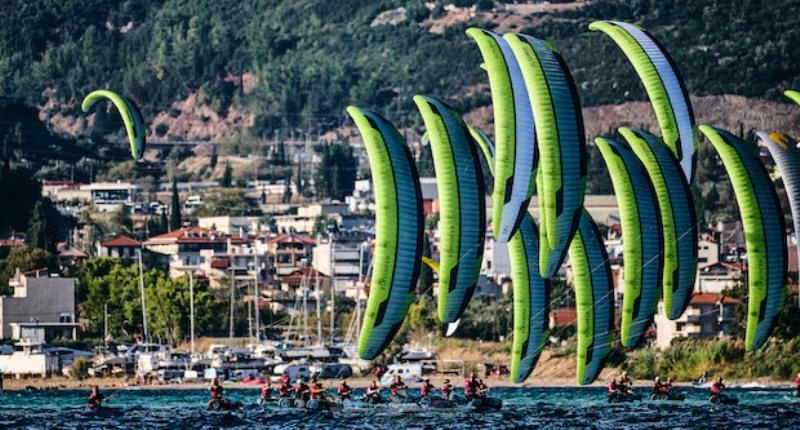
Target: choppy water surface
<point x="523" y="407"/>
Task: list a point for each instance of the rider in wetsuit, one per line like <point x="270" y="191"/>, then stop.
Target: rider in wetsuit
<point x="266" y="392"/>
<point x="317" y="390"/>
<point x="373" y="392"/>
<point x="613" y="389"/>
<point x="797" y="386"/>
<point x="301" y="390"/>
<point x="344" y="391"/>
<point x="425" y="389"/>
<point x="397" y="389"/>
<point x="95" y="398"/>
<point x="215" y="390"/>
<point x="447" y="390"/>
<point x="716" y="390"/>
<point x="472" y="387"/>
<point x="285" y="389"/>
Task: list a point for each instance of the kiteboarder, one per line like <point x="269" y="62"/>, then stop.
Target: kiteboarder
<point x="344" y="391"/>
<point x="613" y="389"/>
<point x="285" y="389"/>
<point x="95" y="398"/>
<point x="373" y="392"/>
<point x="797" y="386"/>
<point x="301" y="390"/>
<point x="316" y="390"/>
<point x="266" y="393"/>
<point x="397" y="389"/>
<point x="472" y="387"/>
<point x="215" y="390"/>
<point x="425" y="389"/>
<point x="447" y="390"/>
<point x="717" y="387"/>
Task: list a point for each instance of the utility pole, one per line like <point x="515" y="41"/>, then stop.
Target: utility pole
<point x="230" y="326"/>
<point x="304" y="287"/>
<point x="105" y="326"/>
<point x="319" y="313"/>
<point x="256" y="291"/>
<point x="145" y="333"/>
<point x="333" y="285"/>
<point x="191" y="311"/>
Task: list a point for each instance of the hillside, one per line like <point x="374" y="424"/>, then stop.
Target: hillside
<point x="223" y="70"/>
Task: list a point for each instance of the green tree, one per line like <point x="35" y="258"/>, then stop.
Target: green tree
<point x="226" y="202"/>
<point x="24" y="259"/>
<point x="175" y="221"/>
<point x="121" y="221"/>
<point x="213" y="161"/>
<point x="43" y="226"/>
<point x="227" y="176"/>
<point x="336" y="174"/>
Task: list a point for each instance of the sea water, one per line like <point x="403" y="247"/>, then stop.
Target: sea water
<point x="522" y="408"/>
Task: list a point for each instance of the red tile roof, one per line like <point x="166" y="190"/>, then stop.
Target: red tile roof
<point x="121" y="242"/>
<point x="733" y="266"/>
<point x="292" y="238"/>
<point x="11" y="243"/>
<point x="297" y="276"/>
<point x="565" y="316"/>
<point x="220" y="263"/>
<point x="72" y="253"/>
<point x="195" y="235"/>
<point x="708" y="298"/>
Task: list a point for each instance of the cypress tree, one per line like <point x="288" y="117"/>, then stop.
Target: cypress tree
<point x="175" y="208"/>
<point x="37" y="228"/>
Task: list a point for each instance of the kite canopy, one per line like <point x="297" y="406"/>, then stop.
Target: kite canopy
<point x="642" y="235"/>
<point x="664" y="87"/>
<point x="515" y="162"/>
<point x="762" y="220"/>
<point x="561" y="146"/>
<point x="531" y="300"/>
<point x="594" y="296"/>
<point x="677" y="215"/>
<point x="531" y="291"/>
<point x="794" y="95"/>
<point x="131" y="117"/>
<point x="462" y="218"/>
<point x="398" y="231"/>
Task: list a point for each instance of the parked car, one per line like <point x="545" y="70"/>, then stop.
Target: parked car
<point x="332" y="371"/>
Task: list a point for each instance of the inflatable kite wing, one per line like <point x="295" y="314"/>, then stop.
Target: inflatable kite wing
<point x="762" y="220"/>
<point x="594" y="299"/>
<point x="398" y="228"/>
<point x="677" y="216"/>
<point x="641" y="236"/>
<point x="515" y="161"/>
<point x="561" y="146"/>
<point x="664" y="86"/>
<point x="131" y="117"/>
<point x="462" y="218"/>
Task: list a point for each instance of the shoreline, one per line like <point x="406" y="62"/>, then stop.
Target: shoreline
<point x="60" y="383"/>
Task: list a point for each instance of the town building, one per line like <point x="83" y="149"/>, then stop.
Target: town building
<point x="307" y="217"/>
<point x="717" y="277"/>
<point x="230" y="224"/>
<point x="182" y="250"/>
<point x="707" y="315"/>
<point x="40" y="305"/>
<point x="345" y="259"/>
<point x="119" y="247"/>
<point x="288" y="252"/>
